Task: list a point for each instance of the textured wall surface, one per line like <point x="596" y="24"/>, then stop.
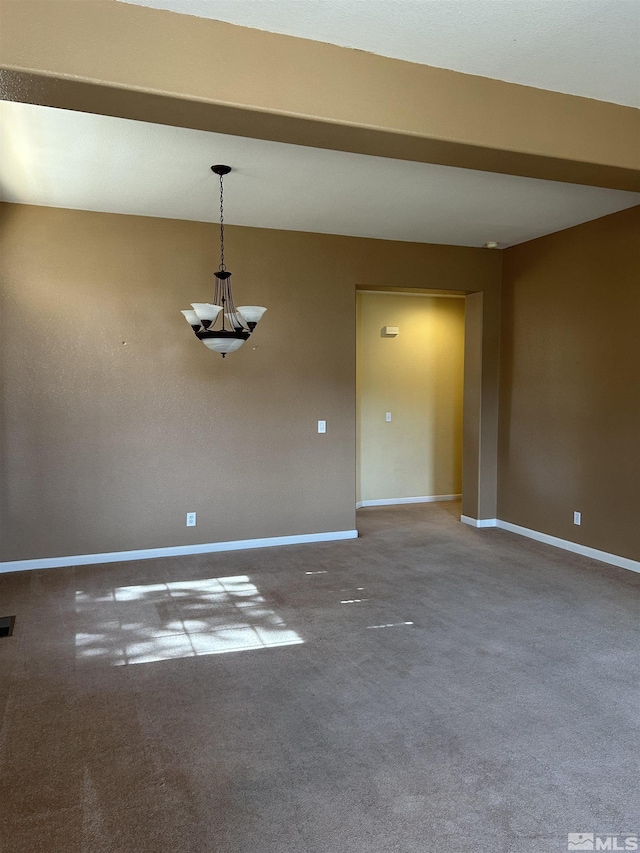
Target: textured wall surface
<point x="418" y="377"/>
<point x="117" y="421"/>
<point x="570" y="386"/>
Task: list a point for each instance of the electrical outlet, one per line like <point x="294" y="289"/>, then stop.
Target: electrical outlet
<point x="322" y="426"/>
<point x="577" y="518"/>
<point x="191" y="519"/>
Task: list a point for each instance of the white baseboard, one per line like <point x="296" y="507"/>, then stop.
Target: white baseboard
<point x="174" y="551"/>
<point x="421" y="499"/>
<point x="574" y="547"/>
<point x="330" y="536"/>
<point x="479" y="522"/>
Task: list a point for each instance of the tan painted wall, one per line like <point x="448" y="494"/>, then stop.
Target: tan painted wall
<point x="570" y="386"/>
<point x="152" y="65"/>
<point x="106" y="446"/>
<point x="418" y="377"/>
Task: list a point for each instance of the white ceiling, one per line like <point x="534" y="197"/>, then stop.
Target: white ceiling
<point x="77" y="160"/>
<point x="582" y="47"/>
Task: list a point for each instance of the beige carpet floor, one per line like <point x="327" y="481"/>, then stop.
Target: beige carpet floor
<point x="423" y="689"/>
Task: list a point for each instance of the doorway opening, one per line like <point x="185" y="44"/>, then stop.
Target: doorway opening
<point x="410" y="388"/>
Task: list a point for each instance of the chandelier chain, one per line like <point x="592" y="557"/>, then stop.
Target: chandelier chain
<point x="222" y="265"/>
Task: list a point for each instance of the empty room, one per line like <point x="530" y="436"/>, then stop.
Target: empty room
<point x="349" y="561"/>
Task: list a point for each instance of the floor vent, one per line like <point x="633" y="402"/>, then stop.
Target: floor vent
<point x="6" y="625"/>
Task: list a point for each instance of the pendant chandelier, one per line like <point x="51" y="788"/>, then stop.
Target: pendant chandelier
<point x="237" y="323"/>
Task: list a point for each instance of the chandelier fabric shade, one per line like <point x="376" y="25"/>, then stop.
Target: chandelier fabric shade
<point x="238" y="323"/>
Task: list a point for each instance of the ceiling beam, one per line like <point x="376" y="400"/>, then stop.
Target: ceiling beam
<point x="112" y="58"/>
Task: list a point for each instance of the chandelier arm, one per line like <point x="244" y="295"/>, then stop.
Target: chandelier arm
<point x="232" y="310"/>
<point x="223" y="291"/>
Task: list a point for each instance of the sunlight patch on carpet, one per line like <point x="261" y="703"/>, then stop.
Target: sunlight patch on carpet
<point x="153" y="622"/>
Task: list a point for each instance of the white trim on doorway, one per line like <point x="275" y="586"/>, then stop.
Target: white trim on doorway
<point x="479" y="522"/>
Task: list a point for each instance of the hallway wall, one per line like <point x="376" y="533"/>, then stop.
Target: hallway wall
<point x="418" y="377"/>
